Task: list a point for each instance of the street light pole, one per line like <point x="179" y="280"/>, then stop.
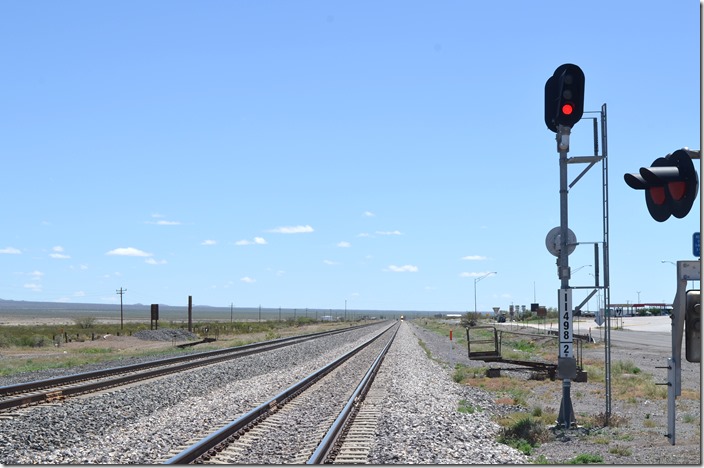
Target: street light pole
<point x="476" y="280"/>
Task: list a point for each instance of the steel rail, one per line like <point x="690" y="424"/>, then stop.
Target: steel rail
<point x="186" y="362"/>
<point x="215" y="442"/>
<point x="323" y="453"/>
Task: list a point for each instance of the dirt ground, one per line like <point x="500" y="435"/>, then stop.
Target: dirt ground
<point x="125" y="343"/>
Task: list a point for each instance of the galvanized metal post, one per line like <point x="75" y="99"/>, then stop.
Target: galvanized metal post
<point x="686" y="271"/>
<point x="607" y="293"/>
<point x="566" y="415"/>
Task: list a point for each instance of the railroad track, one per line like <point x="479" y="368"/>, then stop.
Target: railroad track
<point x="59" y="388"/>
<point x="264" y="434"/>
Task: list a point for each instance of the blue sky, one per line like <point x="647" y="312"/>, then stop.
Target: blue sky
<point x="310" y="153"/>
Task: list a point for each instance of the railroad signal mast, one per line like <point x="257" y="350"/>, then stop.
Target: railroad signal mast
<point x="564" y="107"/>
<point x="671" y="185"/>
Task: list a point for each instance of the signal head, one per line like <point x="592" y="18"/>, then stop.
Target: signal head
<point x="564" y="97"/>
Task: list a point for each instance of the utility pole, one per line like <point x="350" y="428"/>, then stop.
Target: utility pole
<point x="121" y="292"/>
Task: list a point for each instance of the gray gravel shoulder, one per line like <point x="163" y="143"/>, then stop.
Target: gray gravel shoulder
<point x="421" y="423"/>
<point x="638" y="439"/>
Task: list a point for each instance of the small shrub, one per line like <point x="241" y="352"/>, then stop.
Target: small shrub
<point x="35" y="341"/>
<point x="84" y="322"/>
<point x="689" y="418"/>
<point x="95" y="350"/>
<point x="624" y="367"/>
<point x="524" y="434"/>
<point x="585" y="459"/>
<point x="525" y="346"/>
<point x="620" y="451"/>
<point x="461" y="373"/>
<point x="467" y="407"/>
<point x="614" y="420"/>
<point x="601" y="440"/>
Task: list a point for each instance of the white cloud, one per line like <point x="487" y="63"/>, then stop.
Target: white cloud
<point x="209" y="242"/>
<point x="474" y="257"/>
<point x="152" y="261"/>
<point x="402" y="269"/>
<point x="255" y="241"/>
<point x="10" y="250"/>
<point x="330" y="262"/>
<point x="292" y="229"/>
<point x="36" y="275"/>
<point x="79" y="294"/>
<point x="162" y="222"/>
<point x="389" y="233"/>
<point x="128" y="252"/>
<point x="344" y="244"/>
<point x="33" y="286"/>
<point x="368" y="214"/>
<point x="59" y="256"/>
<point x="247" y="279"/>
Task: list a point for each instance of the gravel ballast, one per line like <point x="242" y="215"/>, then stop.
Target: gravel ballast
<point x="142" y="424"/>
<point x="420" y="422"/>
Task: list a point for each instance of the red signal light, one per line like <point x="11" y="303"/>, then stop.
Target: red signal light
<point x="567" y="109"/>
<point x="677" y="189"/>
<point x="658" y="195"/>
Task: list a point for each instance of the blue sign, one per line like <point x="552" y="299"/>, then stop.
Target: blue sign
<point x="696" y="244"/>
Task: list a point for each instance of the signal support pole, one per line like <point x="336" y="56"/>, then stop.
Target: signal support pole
<point x="686" y="271"/>
<point x="566" y="363"/>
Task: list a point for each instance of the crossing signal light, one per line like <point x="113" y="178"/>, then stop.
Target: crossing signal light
<point x="670" y="184"/>
<point x="692" y="327"/>
<point x="564" y="97"/>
